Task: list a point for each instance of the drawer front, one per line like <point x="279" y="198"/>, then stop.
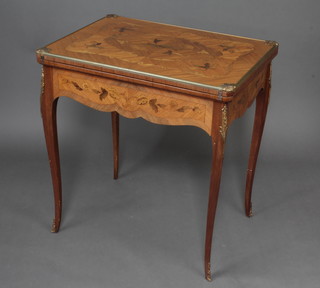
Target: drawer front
<point x="132" y="100"/>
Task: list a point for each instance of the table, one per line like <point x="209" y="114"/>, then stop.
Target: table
<point x="165" y="74"/>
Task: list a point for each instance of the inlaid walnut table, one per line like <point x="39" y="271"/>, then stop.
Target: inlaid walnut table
<point x="166" y="75"/>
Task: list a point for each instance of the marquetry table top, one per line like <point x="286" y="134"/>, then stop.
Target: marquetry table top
<point x="182" y="57"/>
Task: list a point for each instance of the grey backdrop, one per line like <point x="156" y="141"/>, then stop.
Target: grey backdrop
<point x="147" y="228"/>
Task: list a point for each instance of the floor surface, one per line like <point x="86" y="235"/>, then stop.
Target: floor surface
<point x="147" y="228"/>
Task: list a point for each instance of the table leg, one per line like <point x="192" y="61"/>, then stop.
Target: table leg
<point x="48" y="112"/>
<point x="115" y="140"/>
<point x="262" y="102"/>
<point x="218" y="139"/>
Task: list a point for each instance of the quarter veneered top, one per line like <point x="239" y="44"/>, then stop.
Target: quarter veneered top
<point x="178" y="56"/>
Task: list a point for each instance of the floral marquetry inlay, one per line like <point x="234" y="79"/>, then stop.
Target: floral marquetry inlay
<point x="143" y="102"/>
<point x="134" y="100"/>
<point x="200" y="61"/>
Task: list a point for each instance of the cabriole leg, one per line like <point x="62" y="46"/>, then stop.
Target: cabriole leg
<point x="219" y="131"/>
<point x="262" y="102"/>
<point x="48" y="112"/>
<point x="115" y="140"/>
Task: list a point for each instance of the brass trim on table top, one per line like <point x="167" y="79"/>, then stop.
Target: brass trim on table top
<point x="271" y="43"/>
<point x="226" y="87"/>
<point x="222" y="88"/>
<point x="43" y="52"/>
<point x="198" y="29"/>
<point x="263" y="59"/>
<point x="112" y="16"/>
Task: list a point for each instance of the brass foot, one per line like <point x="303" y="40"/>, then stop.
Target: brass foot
<point x="208" y="273"/>
<point x="54" y="226"/>
<point x="250" y="212"/>
<point x="208" y="278"/>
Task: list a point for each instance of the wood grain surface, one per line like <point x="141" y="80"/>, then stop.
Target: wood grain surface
<point x="163" y="53"/>
<point x="132" y="101"/>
